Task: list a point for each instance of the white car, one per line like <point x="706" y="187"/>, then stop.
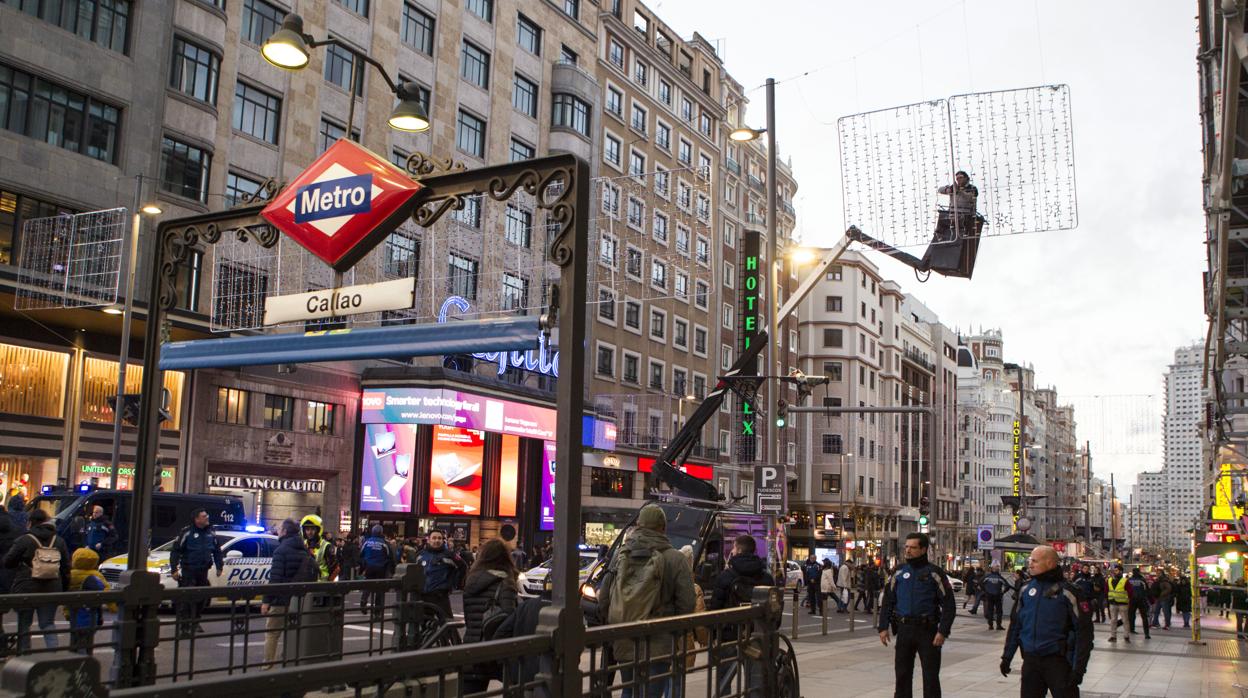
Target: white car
<point x="956" y="584"/>
<point x="793" y="576"/>
<point x="248" y="557"/>
<point x="533" y="582"/>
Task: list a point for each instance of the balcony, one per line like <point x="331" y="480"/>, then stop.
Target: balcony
<point x="755" y="182"/>
<point x="734" y="167"/>
<point x="915" y="356"/>
<point x="754" y="219"/>
<point x="788" y="207"/>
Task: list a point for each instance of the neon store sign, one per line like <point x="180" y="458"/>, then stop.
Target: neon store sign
<point x="543" y="360"/>
<point x="749" y="317"/>
<point x="1018" y="469"/>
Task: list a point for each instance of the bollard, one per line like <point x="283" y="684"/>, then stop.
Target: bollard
<point x="851" y="605"/>
<point x="824" y="605"/>
<point x="797" y="607"/>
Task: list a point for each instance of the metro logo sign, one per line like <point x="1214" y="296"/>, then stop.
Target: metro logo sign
<point x="342" y="205"/>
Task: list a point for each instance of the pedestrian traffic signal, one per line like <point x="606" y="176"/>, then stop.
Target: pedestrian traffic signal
<point x="922" y="519"/>
<point x="782" y="413"/>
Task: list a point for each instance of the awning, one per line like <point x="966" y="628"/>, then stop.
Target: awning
<point x="1210" y="549"/>
<point x="402" y="342"/>
<point x="1017" y="542"/>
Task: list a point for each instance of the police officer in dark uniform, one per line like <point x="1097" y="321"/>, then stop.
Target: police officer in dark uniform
<point x="194" y="552"/>
<point x="1053" y="625"/>
<point x="919" y="606"/>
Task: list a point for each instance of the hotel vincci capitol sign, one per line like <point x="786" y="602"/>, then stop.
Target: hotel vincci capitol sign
<point x="343" y="204"/>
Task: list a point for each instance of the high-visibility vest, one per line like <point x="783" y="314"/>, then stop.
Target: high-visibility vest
<point x="1118" y="590"/>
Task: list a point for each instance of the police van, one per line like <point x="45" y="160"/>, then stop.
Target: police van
<point x="248" y="557"/>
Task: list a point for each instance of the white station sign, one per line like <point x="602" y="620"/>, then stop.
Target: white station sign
<point x="338" y="302"/>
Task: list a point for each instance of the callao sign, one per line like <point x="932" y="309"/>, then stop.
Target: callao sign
<point x="342" y="205"/>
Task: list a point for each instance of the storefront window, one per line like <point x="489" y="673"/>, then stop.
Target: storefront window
<point x="26" y="476"/>
<point x="32" y="381"/>
<point x="99" y="383"/>
<point x="88" y="469"/>
<point x="600" y="533"/>
<point x="609" y="482"/>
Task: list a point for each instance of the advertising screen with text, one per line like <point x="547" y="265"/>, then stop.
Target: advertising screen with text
<point x="386" y="471"/>
<point x="509" y="476"/>
<point x="455" y="471"/>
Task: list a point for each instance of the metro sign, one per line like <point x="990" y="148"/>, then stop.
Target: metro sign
<point x="343" y="204"/>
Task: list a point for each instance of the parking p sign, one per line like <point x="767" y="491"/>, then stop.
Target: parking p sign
<point x="768" y="489"/>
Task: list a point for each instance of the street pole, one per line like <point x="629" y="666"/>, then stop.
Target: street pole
<point x="842" y="514"/>
<point x="1087" y="498"/>
<point x="130" y="252"/>
<point x="1113" y="517"/>
<point x="773" y="314"/>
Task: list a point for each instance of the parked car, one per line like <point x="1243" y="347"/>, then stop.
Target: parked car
<point x="533" y="581"/>
<point x="248" y="557"/>
<point x="793" y="574"/>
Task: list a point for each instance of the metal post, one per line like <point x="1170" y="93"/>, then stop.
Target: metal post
<point x="130" y="253"/>
<point x="841" y="516"/>
<point x="356" y="60"/>
<point x="772" y="454"/>
<point x="1113" y="519"/>
<point x="797" y="605"/>
<point x="823" y="605"/>
<point x="1087" y="499"/>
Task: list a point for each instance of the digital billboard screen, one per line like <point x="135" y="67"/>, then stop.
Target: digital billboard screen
<point x="548" y="487"/>
<point x="455" y="471"/>
<point x="386" y="471"/>
<point x="453" y="408"/>
<point x="509" y="476"/>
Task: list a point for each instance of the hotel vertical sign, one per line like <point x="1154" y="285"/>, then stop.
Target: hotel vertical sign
<point x="749" y="316"/>
<point x="1018" y="468"/>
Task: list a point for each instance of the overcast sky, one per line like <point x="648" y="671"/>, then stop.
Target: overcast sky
<point x="1097" y="310"/>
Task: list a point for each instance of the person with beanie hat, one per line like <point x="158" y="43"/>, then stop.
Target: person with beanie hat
<point x="377" y="561"/>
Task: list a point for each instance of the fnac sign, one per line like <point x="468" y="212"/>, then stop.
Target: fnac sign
<point x="341" y="206"/>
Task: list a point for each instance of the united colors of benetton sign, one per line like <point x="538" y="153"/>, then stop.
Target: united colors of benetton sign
<point x="342" y="205"/>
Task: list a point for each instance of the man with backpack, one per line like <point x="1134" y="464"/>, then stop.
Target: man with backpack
<point x="992" y="588"/>
<point x="734" y="587"/>
<point x="919" y="607"/>
<point x="42" y="563"/>
<point x="195" y="551"/>
<point x="377" y="561"/>
<point x="649" y="579"/>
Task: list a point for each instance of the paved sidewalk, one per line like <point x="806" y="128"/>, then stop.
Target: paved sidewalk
<point x="1168" y="665"/>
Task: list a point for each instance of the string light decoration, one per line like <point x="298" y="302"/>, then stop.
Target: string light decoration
<point x="71" y="261"/>
<point x="1017" y="146"/>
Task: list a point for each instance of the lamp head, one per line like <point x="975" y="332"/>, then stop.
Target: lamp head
<point x="151" y="209"/>
<point x="743" y="134"/>
<point x="802" y="255"/>
<point x="409" y="115"/>
<point x="287" y="48"/>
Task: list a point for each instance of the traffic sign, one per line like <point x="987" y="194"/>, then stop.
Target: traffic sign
<point x="343" y="204"/>
<point x="340" y="302"/>
<point x="985" y="537"/>
<point x="768" y="489"/>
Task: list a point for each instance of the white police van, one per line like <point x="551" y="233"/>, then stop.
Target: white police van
<point x="248" y="556"/>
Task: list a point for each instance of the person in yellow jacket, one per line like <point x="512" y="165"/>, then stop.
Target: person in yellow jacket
<point x="1118" y="597"/>
<point x="84" y="575"/>
<point x="321" y="547"/>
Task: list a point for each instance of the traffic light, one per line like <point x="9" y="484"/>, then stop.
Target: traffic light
<point x="130" y="407"/>
<point x="924" y="510"/>
<point x="782" y="413"/>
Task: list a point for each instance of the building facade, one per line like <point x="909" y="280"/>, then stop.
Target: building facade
<point x="1181" y="430"/>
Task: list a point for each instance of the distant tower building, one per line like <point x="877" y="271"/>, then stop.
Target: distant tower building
<point x="1184" y="410"/>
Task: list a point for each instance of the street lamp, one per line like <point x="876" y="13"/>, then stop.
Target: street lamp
<point x="680" y="407"/>
<point x="289" y="47"/>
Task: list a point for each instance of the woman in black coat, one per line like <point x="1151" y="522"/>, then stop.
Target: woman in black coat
<point x="492" y="582"/>
<point x="19" y="557"/>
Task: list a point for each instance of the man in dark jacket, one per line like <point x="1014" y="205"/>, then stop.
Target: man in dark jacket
<point x="919" y="606"/>
<point x="195" y="551"/>
<point x="442" y="571"/>
<point x="377" y="561"/>
<point x="8" y="534"/>
<point x="1137" y="595"/>
<point x="810" y="572"/>
<point x="292" y="562"/>
<point x="21" y="557"/>
<point x="993" y="589"/>
<point x="100" y="534"/>
<point x="1052" y="624"/>
<point x="733" y="587"/>
<point x="350" y="557"/>
<point x="1163" y="593"/>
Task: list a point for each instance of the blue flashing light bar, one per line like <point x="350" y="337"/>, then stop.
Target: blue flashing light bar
<point x="85" y="487"/>
<point x="47" y="489"/>
<point x="467" y="337"/>
<point x="253" y="528"/>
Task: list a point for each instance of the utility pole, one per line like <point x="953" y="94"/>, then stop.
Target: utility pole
<point x="1087" y="497"/>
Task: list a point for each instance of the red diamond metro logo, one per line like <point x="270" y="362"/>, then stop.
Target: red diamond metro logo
<point x="343" y="204"/>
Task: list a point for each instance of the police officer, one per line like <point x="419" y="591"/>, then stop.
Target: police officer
<point x="100" y="534"/>
<point x="993" y="588"/>
<point x="919" y="606"/>
<point x="195" y="551"/>
<point x="1053" y="625"/>
<point x="442" y="567"/>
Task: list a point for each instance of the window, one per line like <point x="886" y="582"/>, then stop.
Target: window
<point x="632" y="315"/>
<point x="680" y="382"/>
<point x="566" y="55"/>
<point x="611" y="200"/>
<point x="279" y="412"/>
<point x="699" y="341"/>
<point x="615" y="53"/>
<point x="680" y="333"/>
<point x="639" y="118"/>
<point x="632" y="262"/>
<point x="518" y="230"/>
<point x="725" y="357"/>
<point x="832" y="481"/>
<point x="401" y="256"/>
<point x="836" y="272"/>
<point x="611" y="482"/>
<point x="704" y="208"/>
<point x="184" y="169"/>
<point x="416" y="29"/>
<point x="641" y="23"/>
<point x="684" y="195"/>
<point x="321" y="417"/>
<point x="701" y="294"/>
<point x="730" y="317"/>
<point x="529" y="35"/>
<point x="48" y="112"/>
<point x="833" y="338"/>
<point x="238" y="188"/>
<point x="656" y="375"/>
<point x="260" y="20"/>
<point x="615" y="102"/>
<point x="658" y="274"/>
<point x="665" y="92"/>
<point x="833" y="304"/>
<point x="470" y="134"/>
<point x="231" y="406"/>
<point x="462" y="276"/>
<point x="606" y="360"/>
<point x="606" y="305"/>
<point x="611" y="150"/>
<point x="359" y="7"/>
<point x="521" y="150"/>
<point x="641" y="73"/>
<point x="702" y="251"/>
<point x="686" y="109"/>
<point x="636" y="213"/>
<point x="658" y="324"/>
<point x="631" y="368"/>
<point x="104" y="22"/>
<point x="515" y="292"/>
<point x="474" y="65"/>
<point x="663" y="135"/>
<point x="660" y="227"/>
<point x="331" y="133"/>
<point x="682" y="285"/>
<point x="730" y="275"/>
<point x="704" y="124"/>
<point x="572" y="112"/>
<point x="637" y="164"/>
<point x="662" y="182"/>
<point x="685" y="152"/>
<point x="339" y="64"/>
<point x="186" y="282"/>
<point x="730" y="235"/>
<point x="195" y="71"/>
<point x="481" y="8"/>
<point x="524" y="99"/>
<point x="256" y="113"/>
<point x="572" y="8"/>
